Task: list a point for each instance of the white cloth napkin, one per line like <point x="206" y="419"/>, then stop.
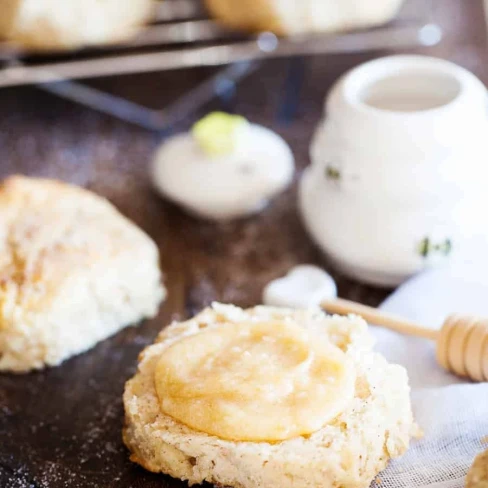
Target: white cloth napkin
<point x="452" y="412"/>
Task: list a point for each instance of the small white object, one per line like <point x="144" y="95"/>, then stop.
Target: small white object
<point x="304" y="286"/>
<point x="227" y="186"/>
<point x="398" y="174"/>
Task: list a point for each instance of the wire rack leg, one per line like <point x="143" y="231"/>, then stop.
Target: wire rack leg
<point x="292" y="91"/>
<point x="157" y="120"/>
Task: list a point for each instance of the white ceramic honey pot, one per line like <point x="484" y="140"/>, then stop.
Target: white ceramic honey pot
<point x="398" y="178"/>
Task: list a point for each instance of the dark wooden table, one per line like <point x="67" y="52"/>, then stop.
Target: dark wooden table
<point x="61" y="427"/>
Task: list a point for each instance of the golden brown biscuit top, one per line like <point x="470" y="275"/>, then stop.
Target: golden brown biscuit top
<point x="50" y="231"/>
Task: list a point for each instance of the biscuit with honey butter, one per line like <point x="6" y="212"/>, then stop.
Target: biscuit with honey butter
<point x="267" y="397"/>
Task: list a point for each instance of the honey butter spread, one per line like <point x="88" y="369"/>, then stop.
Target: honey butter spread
<point x="267" y="398"/>
<point x="254" y="381"/>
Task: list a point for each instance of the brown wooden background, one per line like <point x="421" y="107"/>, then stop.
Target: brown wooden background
<point x="61" y="427"/>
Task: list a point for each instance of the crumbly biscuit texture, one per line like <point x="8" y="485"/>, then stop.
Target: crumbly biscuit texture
<point x="71" y="24"/>
<point x="478" y="474"/>
<point x="347" y="452"/>
<point x="73" y="271"/>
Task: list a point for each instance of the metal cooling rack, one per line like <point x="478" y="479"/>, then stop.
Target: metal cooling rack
<point x="183" y="37"/>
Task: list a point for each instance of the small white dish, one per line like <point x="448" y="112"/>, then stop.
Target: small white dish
<point x="224" y="169"/>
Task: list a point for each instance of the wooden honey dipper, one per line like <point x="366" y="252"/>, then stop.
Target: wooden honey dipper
<point x="461" y="343"/>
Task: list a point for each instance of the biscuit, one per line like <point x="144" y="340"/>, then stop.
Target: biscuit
<point x="73" y="271"/>
<point x="347" y="452"/>
<point x="478" y="474"/>
<point x="71" y="24"/>
<point x="302" y="16"/>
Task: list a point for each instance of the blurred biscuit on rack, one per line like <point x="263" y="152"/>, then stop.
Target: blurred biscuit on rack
<point x="52" y="25"/>
<point x="73" y="271"/>
<point x="302" y="16"/>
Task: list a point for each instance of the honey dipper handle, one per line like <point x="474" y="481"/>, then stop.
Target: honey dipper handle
<point x="374" y="316"/>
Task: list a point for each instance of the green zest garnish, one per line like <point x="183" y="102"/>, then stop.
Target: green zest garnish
<point x="216" y="133"/>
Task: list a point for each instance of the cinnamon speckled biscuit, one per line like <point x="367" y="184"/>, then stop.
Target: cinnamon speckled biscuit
<point x="73" y="271"/>
<point x="70" y="24"/>
<point x="347" y="452"/>
<point x="478" y="474"/>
